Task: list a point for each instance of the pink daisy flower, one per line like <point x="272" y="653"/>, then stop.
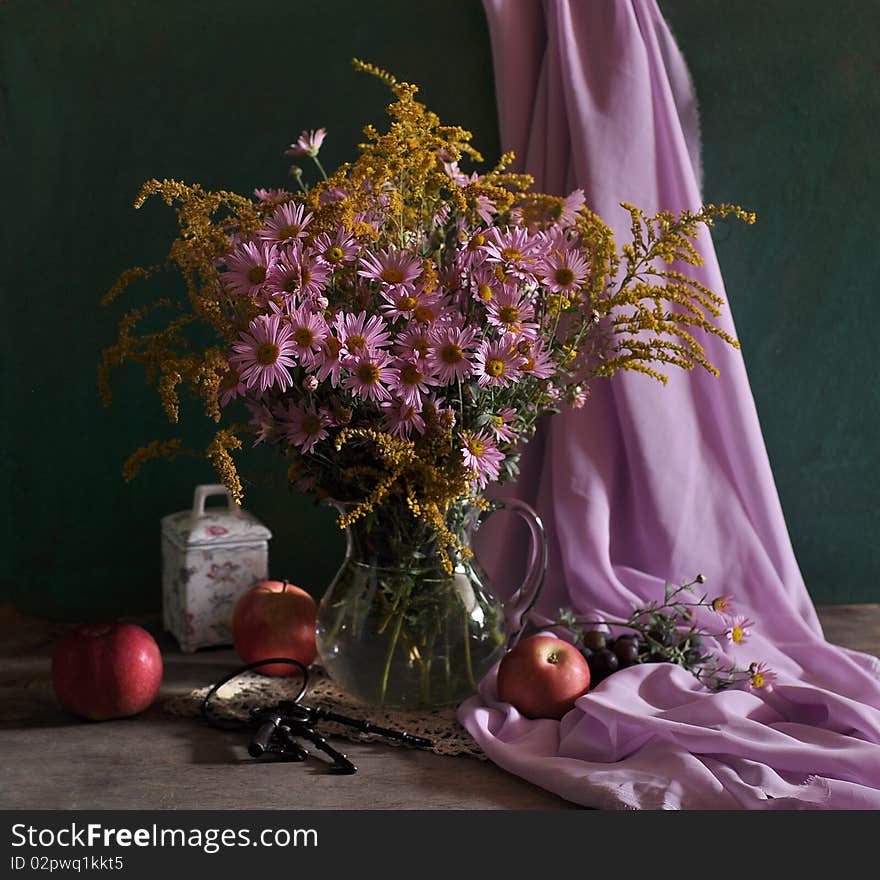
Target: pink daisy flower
<point x="471" y="254"/>
<point x="370" y="373"/>
<point x="739" y="630"/>
<point x="511" y="311"/>
<point x="231" y="386"/>
<point x="433" y="407"/>
<point x="451" y="350"/>
<point x="412" y="342"/>
<point x="307" y="144"/>
<point x="337" y="413"/>
<point x="411" y="379"/>
<point x="332" y="195"/>
<point x="336" y="251"/>
<point x="267" y="427"/>
<point x="761" y="676"/>
<point x="299" y="271"/>
<point x="303" y="427"/>
<point x="485" y="208"/>
<point x="497" y="363"/>
<point x="441" y="216"/>
<point x="536" y="361"/>
<point x="430" y="310"/>
<point x="308" y="330"/>
<point x="484" y="285"/>
<point x="578" y="397"/>
<point x="481" y="456"/>
<point x="247" y="267"/>
<point x="263" y="355"/>
<point x="500" y="424"/>
<point x="271" y="195"/>
<point x="329" y="363"/>
<point x="287" y="224"/>
<point x="514" y="250"/>
<point x="401" y="418"/>
<point x="404" y="302"/>
<point x="571" y="204"/>
<point x="360" y="334"/>
<point x="722" y="604"/>
<point x="563" y="271"/>
<point x="390" y="266"/>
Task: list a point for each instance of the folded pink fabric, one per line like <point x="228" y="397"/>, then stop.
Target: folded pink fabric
<point x="649" y="483"/>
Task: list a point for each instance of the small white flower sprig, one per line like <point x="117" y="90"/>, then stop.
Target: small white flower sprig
<point x="668" y="632"/>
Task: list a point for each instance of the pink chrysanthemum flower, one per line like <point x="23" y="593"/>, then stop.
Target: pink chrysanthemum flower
<point x="263" y="355"/>
<point x="739" y="630"/>
<point x="270" y="195"/>
<point x="332" y="195"/>
<point x="500" y="425"/>
<point x="401" y="418"/>
<point x="761" y="676"/>
<point x="264" y="422"/>
<point x="308" y="143"/>
<point x="338" y="413"/>
<point x="434" y="408"/>
<point x="577" y="396"/>
<point x="497" y="362"/>
<point x="338" y="250"/>
<point x="370" y="374"/>
<point x="440" y="218"/>
<point x="247" y="267"/>
<point x="411" y="379"/>
<point x="328" y="360"/>
<point x="231" y="386"/>
<point x="299" y="272"/>
<point x="563" y="271"/>
<point x="471" y="253"/>
<point x="451" y="352"/>
<point x="390" y="266"/>
<point x="481" y="456"/>
<point x="359" y="334"/>
<point x="304" y="427"/>
<point x="287" y="224"/>
<point x="571" y="205"/>
<point x="514" y="250"/>
<point x="485" y="208"/>
<point x="536" y="360"/>
<point x="308" y="330"/>
<point x="406" y="302"/>
<point x="412" y="341"/>
<point x="722" y="604"/>
<point x="484" y="284"/>
<point x="510" y="311"/>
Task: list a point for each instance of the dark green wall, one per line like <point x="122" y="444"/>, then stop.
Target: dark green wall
<point x="790" y="101"/>
<point x="96" y="97"/>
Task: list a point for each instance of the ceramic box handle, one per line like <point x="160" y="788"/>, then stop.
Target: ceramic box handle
<point x="202" y="493"/>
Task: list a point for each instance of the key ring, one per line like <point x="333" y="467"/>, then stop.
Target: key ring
<point x="238" y="725"/>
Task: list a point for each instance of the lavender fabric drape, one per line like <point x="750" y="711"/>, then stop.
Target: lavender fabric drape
<point x="648" y="483"/>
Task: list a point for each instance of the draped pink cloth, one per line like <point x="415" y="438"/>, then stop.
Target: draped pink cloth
<point x="648" y="483"/>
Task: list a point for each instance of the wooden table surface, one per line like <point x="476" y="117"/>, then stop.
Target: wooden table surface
<point x="51" y="760"/>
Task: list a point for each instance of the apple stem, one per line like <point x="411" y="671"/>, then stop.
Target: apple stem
<point x="286" y="585"/>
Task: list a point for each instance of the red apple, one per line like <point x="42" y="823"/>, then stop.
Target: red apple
<point x="275" y="619"/>
<point x="107" y="670"/>
<point x="542" y="676"/>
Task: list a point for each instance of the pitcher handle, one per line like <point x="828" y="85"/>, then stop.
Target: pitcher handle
<point x="518" y="606"/>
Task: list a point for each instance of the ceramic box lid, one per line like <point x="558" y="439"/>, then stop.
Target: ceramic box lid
<point x="213" y="526"/>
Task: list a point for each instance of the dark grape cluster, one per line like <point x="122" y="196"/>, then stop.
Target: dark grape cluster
<point x="606" y="654"/>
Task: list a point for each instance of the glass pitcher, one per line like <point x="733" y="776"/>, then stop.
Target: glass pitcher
<point x="395" y="629"/>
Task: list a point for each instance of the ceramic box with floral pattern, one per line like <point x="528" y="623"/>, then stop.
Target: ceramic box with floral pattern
<point x="210" y="556"/>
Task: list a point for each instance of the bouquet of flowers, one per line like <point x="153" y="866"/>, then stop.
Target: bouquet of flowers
<point x="397" y="329"/>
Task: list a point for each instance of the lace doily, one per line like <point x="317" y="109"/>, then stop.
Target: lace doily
<point x="234" y="700"/>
